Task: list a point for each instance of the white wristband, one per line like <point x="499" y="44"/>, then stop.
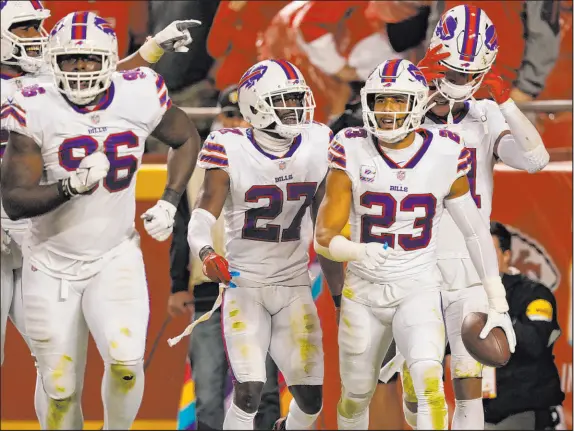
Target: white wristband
<point x="343" y="250"/>
<point x="150" y="51"/>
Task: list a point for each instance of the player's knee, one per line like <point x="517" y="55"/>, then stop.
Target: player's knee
<point x="465" y="367"/>
<point x="427" y="381"/>
<point x="58" y="376"/>
<point x="409" y="394"/>
<point x="353" y="404"/>
<point x="248" y="396"/>
<point x="309" y="398"/>
<point x="125" y="375"/>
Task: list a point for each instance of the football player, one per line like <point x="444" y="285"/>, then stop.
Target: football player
<point x="464" y="48"/>
<point x="268" y="181"/>
<point x="394" y="181"/>
<point x="22" y="39"/>
<point x="74" y="148"/>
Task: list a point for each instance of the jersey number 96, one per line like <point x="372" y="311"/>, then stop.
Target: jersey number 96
<point x="272" y="232"/>
<point x="122" y="168"/>
<point x="388" y="217"/>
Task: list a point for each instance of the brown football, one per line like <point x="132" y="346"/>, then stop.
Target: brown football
<point x="493" y="350"/>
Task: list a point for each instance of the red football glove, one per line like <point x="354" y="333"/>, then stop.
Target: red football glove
<point x="429" y="65"/>
<point x="216" y="268"/>
<point x="497" y="86"/>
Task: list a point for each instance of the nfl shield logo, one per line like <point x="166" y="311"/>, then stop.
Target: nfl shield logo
<point x="282" y="165"/>
<point x="401" y="175"/>
<point x="95" y="118"/>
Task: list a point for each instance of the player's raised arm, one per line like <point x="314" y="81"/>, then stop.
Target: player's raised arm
<point x="178" y="132"/>
<point x="465" y="214"/>
<point x="22" y="169"/>
<point x="334" y="271"/>
<point x="521" y="147"/>
<point x="174" y="38"/>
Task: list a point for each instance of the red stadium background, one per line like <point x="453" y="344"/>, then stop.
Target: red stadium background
<point x="538" y="208"/>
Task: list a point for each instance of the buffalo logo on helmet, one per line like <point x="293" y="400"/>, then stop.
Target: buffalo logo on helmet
<point x="417" y="74"/>
<point x="250" y="77"/>
<point x="104" y="25"/>
<point x="491" y="38"/>
<point x="446" y="27"/>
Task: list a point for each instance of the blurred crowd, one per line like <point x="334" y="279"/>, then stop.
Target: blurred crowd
<point x="335" y="45"/>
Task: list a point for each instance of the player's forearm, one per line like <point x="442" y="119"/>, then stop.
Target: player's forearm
<point x="523" y="148"/>
<point x="480" y="247"/>
<point x="199" y="232"/>
<point x="181" y="163"/>
<point x="334" y="274"/>
<point x="20" y="203"/>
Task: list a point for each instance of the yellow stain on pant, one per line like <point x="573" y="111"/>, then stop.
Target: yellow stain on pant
<point x="347" y="322"/>
<point x="467" y="371"/>
<point x="125" y="331"/>
<point x="348" y="292"/>
<point x="435" y="398"/>
<point x="238" y="325"/>
<point x="409" y="393"/>
<point x="347" y="408"/>
<point x="57" y="409"/>
<point x="234" y="312"/>
<point x="123" y="377"/>
<point x="301" y="329"/>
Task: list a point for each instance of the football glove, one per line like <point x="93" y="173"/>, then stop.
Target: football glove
<point x="159" y="219"/>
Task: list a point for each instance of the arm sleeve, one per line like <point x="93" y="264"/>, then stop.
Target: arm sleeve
<point x="542" y="36"/>
<point x="179" y="249"/>
<point x="523" y="149"/>
<point x="476" y="235"/>
<point x="213" y="154"/>
<point x="535" y="328"/>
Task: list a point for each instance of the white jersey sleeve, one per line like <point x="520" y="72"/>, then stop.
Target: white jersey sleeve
<point x="213" y="154"/>
<point x="341" y="157"/>
<point x="17" y="115"/>
<point x="150" y="96"/>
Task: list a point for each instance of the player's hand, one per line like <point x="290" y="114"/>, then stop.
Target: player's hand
<point x="180" y="303"/>
<point x="501" y="320"/>
<point x="6" y="240"/>
<point x="92" y="169"/>
<point x="216" y="268"/>
<point x="496" y="85"/>
<point x="430" y="66"/>
<point x="374" y="255"/>
<point x="158" y="220"/>
<point x="176" y="36"/>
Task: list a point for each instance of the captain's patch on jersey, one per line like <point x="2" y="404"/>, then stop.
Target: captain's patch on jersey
<point x="368" y="173"/>
<point x="539" y="310"/>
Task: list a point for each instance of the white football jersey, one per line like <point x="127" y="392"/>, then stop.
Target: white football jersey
<point x="86" y="227"/>
<point x="479" y="124"/>
<point x="398" y="196"/>
<point x="268" y="226"/>
<point x="9" y="85"/>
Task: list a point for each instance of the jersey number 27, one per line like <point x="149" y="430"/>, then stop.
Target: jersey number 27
<point x="272" y="232"/>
